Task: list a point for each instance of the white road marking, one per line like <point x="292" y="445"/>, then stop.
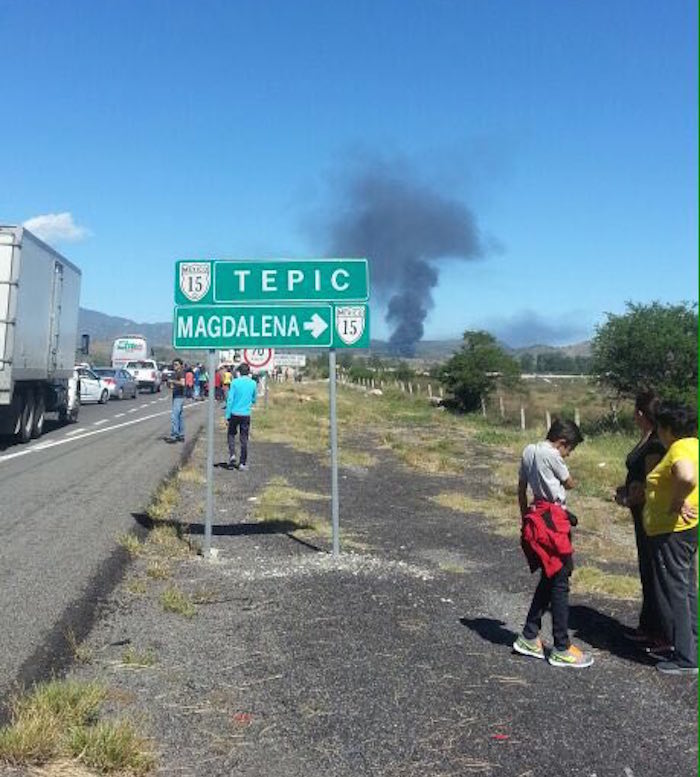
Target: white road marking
<point x="103" y="421"/>
<point x="75" y="431"/>
<point x="628" y="772"/>
<point x="140" y="407"/>
<point x="120" y="415"/>
<point x="133" y="410"/>
<point x="46" y="445"/>
<point x="152" y="402"/>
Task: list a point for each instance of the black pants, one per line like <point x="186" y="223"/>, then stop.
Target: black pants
<point x="673" y="558"/>
<point x="649" y="617"/>
<point x="236" y="422"/>
<point x="554" y="592"/>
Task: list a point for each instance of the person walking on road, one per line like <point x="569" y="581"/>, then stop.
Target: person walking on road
<point x="546" y="542"/>
<point x="177" y="415"/>
<point x="241" y="398"/>
<point x="670" y="521"/>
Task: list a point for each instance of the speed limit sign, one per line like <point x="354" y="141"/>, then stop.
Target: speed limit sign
<point x="259" y="358"/>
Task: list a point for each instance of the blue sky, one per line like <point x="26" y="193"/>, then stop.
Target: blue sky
<point x="172" y="129"/>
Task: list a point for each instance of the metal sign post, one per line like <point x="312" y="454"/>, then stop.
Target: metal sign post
<point x="266" y="304"/>
<point x="334" y="453"/>
<point x="211" y="368"/>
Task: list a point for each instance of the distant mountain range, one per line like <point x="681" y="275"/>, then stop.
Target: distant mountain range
<point x="103" y="328"/>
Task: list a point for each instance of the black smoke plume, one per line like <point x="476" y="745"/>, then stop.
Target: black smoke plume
<point x="402" y="226"/>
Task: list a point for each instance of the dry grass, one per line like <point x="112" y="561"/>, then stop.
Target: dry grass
<point x="191" y="474"/>
<point x="138" y="659"/>
<point x="503" y="518"/>
<point x="137" y="586"/>
<point x="165" y="501"/>
<point x="58" y="722"/>
<point x="174" y="600"/>
<point x="591" y="580"/>
<point x="158" y="569"/>
<point x="439" y="443"/>
<point x="131" y="543"/>
<point x="280" y="501"/>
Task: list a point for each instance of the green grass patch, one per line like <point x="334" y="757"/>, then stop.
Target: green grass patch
<point x="175" y="600"/>
<point x="139" y="659"/>
<point x="592" y="580"/>
<point x="59" y="720"/>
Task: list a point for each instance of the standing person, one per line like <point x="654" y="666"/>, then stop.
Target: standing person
<point x="217" y="385"/>
<point x="197" y="372"/>
<point x="177" y="415"/>
<point x="226" y="379"/>
<point x="189" y="382"/>
<point x="241" y="398"/>
<point x="546" y="541"/>
<point x="670" y="521"/>
<point x="641" y="460"/>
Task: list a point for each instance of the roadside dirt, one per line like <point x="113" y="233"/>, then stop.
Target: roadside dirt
<point x="393" y="660"/>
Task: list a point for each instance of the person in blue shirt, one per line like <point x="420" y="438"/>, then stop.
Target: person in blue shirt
<point x="241" y="398"/>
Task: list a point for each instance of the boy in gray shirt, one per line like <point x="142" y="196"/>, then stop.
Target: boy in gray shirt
<point x="543" y="470"/>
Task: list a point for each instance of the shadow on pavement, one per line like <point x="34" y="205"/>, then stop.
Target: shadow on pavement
<point x="229" y="529"/>
<point x="491" y="630"/>
<point x="605" y="633"/>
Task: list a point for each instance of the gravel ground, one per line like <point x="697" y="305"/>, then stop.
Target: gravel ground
<point x="393" y="660"/>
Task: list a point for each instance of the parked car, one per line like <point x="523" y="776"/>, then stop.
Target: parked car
<point x="121" y="383"/>
<point x="92" y="387"/>
<point x="146" y="373"/>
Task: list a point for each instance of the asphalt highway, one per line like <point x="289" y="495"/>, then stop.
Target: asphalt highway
<point x="64" y="501"/>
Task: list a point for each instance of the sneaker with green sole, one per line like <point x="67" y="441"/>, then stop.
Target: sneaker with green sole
<point x="573" y="658"/>
<point x="529" y="647"/>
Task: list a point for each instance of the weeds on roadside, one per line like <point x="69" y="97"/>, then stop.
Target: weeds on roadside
<point x="175" y="600"/>
<point x="132" y="657"/>
<point x="131" y="543"/>
<point x="60" y="720"/>
<point x="80" y="651"/>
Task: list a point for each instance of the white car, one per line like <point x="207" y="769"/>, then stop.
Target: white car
<point x="92" y="387"/>
<point x="146" y="374"/>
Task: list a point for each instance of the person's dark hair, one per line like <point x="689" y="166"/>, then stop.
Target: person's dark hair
<point x="647" y="403"/>
<point x="680" y="420"/>
<point x="244" y="369"/>
<point x="565" y="430"/>
<point x="177" y="361"/>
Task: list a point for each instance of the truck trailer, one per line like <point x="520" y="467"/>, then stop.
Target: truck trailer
<point x="39" y="298"/>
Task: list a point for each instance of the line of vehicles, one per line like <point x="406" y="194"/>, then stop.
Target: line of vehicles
<point x="39" y="304"/>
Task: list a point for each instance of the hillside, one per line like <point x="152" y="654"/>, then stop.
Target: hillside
<point x="103" y="329"/>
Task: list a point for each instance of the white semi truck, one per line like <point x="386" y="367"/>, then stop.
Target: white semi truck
<point x="39" y="298"/>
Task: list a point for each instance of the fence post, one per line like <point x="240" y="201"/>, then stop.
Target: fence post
<point x="410" y="389"/>
<point x="501" y="406"/>
<point x="577" y="417"/>
<point x="522" y="417"/>
<point x="548" y="420"/>
<point x="483" y="407"/>
<point x="441" y="394"/>
<point x="430" y="391"/>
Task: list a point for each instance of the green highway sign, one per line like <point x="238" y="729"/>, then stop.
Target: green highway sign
<point x="224" y="281"/>
<point x="271" y="326"/>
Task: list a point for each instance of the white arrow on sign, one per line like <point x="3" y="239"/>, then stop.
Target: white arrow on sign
<point x="317" y="326"/>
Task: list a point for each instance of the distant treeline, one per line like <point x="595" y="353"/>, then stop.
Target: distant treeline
<point x="556" y="363"/>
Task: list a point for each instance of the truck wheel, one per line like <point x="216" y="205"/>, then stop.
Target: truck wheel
<point x="26" y="421"/>
<point x="104" y="396"/>
<point x="39" y="414"/>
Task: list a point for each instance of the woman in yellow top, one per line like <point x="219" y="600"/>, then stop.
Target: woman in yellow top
<point x="671" y="522"/>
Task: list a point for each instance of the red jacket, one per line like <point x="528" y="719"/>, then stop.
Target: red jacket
<point x="546" y="537"/>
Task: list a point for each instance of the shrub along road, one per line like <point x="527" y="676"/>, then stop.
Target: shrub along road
<point x="395" y="660"/>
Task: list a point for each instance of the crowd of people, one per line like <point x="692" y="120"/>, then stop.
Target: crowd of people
<point x="235" y="388"/>
<point x="661" y="492"/>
